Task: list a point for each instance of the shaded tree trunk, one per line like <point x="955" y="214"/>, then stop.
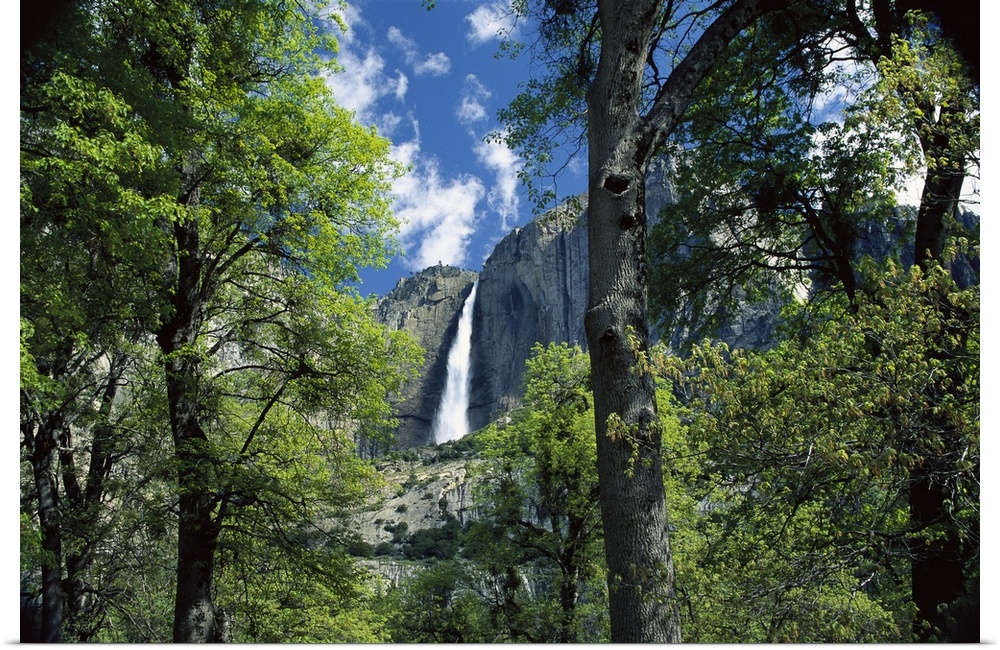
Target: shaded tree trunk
<point x="937" y="567"/>
<point x="195" y="615"/>
<point x="43" y="440"/>
<point x="85" y="503"/>
<point x="622" y="143"/>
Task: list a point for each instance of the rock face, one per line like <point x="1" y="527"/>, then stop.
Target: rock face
<point x="533" y="288"/>
<point x="427" y="305"/>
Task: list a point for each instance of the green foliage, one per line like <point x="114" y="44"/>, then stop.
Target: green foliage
<point x="309" y="591"/>
<point x="801" y="530"/>
<point x="539" y="493"/>
<point x="772" y="193"/>
<point x="441" y="543"/>
<point x="438" y="605"/>
<point x="188" y="181"/>
<point x="779" y="175"/>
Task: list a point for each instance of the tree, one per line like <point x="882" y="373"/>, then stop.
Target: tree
<point x="438" y="605"/>
<point x="540" y="488"/>
<point x="631" y="110"/>
<point x="83" y="308"/>
<point x="785" y="179"/>
<point x="236" y="202"/>
<point x="815" y="443"/>
<point x="785" y="194"/>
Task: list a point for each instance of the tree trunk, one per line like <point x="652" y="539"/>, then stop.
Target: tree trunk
<point x="942" y="189"/>
<point x="633" y="504"/>
<point x="195" y="614"/>
<point x="197" y="530"/>
<point x="629" y="460"/>
<point x="43" y="438"/>
<point x="937" y="566"/>
<point x="84" y="506"/>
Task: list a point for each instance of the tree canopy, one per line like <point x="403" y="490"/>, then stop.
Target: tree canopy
<point x="775" y="191"/>
<point x="194" y="200"/>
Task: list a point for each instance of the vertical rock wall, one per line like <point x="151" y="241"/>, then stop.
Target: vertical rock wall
<point x="427" y="305"/>
<point x="533" y="288"/>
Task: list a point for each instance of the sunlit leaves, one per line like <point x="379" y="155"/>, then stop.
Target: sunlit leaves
<point x="808" y="449"/>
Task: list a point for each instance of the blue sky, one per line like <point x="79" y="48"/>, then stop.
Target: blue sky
<point x="431" y="82"/>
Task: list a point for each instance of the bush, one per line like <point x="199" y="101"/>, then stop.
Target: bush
<point x="384" y="549"/>
<point x="440" y="543"/>
<point x="360" y="548"/>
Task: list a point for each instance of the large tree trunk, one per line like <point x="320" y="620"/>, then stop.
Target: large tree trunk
<point x="629" y="459"/>
<point x="942" y="189"/>
<point x="937" y="566"/>
<point x="43" y="439"/>
<point x="195" y="615"/>
<point x="633" y="504"/>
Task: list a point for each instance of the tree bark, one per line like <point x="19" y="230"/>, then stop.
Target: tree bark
<point x="195" y="615"/>
<point x="633" y="504"/>
<point x="43" y="438"/>
<point x="622" y="143"/>
<point x="942" y="189"/>
<point x="937" y="566"/>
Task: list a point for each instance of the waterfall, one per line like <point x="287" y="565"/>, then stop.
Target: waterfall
<point x="451" y="421"/>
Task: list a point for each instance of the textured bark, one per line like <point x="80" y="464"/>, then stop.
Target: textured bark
<point x="43" y="438"/>
<point x="633" y="505"/>
<point x="941" y="193"/>
<point x="622" y="143"/>
<point x="195" y="615"/>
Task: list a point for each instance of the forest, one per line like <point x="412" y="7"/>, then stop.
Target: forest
<point x="198" y="366"/>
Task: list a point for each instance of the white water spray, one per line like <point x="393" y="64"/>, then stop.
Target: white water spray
<point x="451" y="421"/>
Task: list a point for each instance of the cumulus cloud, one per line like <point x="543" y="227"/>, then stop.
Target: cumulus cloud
<point x="436" y="64"/>
<point x="437" y="215"/>
<point x="505" y="164"/>
<point x="491" y="21"/>
<point x="363" y="80"/>
<point x="361" y="83"/>
<point x="471" y="108"/>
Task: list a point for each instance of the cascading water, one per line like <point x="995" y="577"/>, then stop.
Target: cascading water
<point x="451" y="421"/>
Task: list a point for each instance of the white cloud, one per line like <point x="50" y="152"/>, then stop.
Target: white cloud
<point x="387" y="123"/>
<point x="363" y="80"/>
<point x="361" y="83"/>
<point x="402" y="84"/>
<point x="471" y="108"/>
<point x="492" y="21"/>
<point x="502" y="198"/>
<point x="436" y="64"/>
<point x="408" y="45"/>
<point x="437" y="215"/>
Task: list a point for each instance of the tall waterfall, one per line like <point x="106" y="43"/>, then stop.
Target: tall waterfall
<point x="452" y="418"/>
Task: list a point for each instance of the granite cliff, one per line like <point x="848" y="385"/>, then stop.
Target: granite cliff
<point x="426" y="305"/>
<point x="533" y="288"/>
